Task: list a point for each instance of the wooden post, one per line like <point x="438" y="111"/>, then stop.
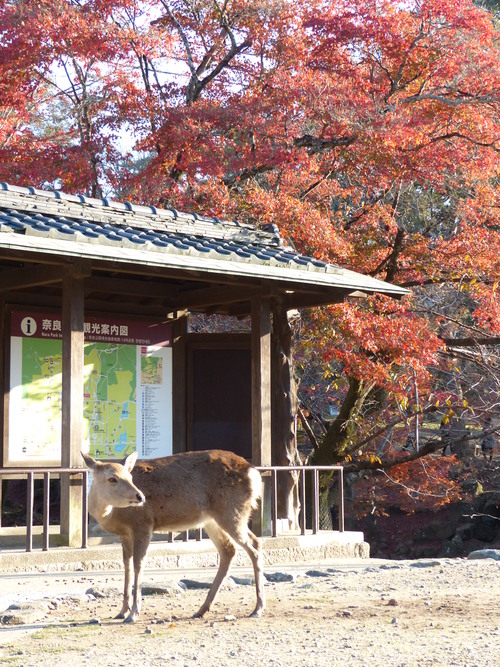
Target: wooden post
<point x="3" y="393"/>
<point x="72" y="407"/>
<point x="261" y="405"/>
<point x="285" y="404"/>
<point x="179" y="397"/>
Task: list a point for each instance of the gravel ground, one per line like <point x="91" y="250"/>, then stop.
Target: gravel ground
<point x="379" y="613"/>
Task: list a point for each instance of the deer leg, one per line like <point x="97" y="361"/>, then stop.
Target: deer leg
<point x="244" y="537"/>
<point x="226" y="550"/>
<point x="127" y="586"/>
<point x="255" y="552"/>
<point x="141" y="544"/>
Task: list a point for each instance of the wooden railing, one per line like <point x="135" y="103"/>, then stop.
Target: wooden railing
<point x="272" y="472"/>
<point x="46" y="473"/>
<point x="314" y="471"/>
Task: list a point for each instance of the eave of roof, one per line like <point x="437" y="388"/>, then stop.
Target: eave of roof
<point x="35" y="221"/>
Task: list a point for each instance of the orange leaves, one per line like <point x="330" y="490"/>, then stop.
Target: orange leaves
<point x="379" y="341"/>
<point x="421" y="484"/>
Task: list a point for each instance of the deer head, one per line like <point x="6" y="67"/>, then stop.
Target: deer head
<point x="112" y="484"/>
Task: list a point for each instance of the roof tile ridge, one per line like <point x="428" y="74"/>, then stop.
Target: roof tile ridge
<point x="117" y="211"/>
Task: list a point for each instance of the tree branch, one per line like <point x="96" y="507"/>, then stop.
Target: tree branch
<point x="453" y="135"/>
<point x="309" y="432"/>
<point x="470" y="341"/>
<point x="430" y="447"/>
<point x="317" y="145"/>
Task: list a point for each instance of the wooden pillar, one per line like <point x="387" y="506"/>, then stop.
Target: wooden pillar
<point x="3" y="393"/>
<point x="72" y="406"/>
<point x="261" y="383"/>
<point x="285" y="403"/>
<point x="179" y="397"/>
<point x="261" y="405"/>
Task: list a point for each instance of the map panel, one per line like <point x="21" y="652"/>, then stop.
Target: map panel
<point x="127" y="392"/>
<point x="110" y="399"/>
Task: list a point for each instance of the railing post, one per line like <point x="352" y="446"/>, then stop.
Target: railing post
<point x="46" y="511"/>
<point x="303" y="502"/>
<point x="341" y="500"/>
<point x="85" y="510"/>
<point x="29" y="511"/>
<point x="274" y="501"/>
<point x="315" y="526"/>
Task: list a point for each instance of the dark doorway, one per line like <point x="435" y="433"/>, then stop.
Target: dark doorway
<point x="219" y="395"/>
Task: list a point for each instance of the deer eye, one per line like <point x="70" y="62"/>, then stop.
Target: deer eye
<point x="113" y="480"/>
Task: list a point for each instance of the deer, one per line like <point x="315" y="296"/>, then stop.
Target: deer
<point x="213" y="489"/>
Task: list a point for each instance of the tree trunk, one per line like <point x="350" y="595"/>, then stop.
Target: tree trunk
<point x="333" y="447"/>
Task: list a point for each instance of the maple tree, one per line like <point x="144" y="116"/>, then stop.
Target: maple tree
<point x="368" y="132"/>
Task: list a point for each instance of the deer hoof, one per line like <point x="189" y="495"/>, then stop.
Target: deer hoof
<point x="256" y="613"/>
<point x="130" y="619"/>
<point x="200" y="613"/>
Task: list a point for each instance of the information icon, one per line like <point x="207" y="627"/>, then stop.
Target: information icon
<point x="28" y="326"/>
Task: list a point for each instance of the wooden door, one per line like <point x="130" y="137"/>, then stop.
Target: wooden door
<point x="219" y="394"/>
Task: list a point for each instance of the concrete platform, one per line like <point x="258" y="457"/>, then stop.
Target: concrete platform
<point x="284" y="550"/>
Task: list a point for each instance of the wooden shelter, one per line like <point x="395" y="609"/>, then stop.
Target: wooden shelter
<point x="74" y="268"/>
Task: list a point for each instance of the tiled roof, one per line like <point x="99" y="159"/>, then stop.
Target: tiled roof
<point x="72" y="224"/>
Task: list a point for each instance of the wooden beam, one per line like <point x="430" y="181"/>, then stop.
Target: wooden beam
<point x="72" y="404"/>
<point x="31" y="277"/>
<point x="225" y="295"/>
<point x="133" y="308"/>
<point x="177" y="296"/>
<point x="142" y="288"/>
<point x="308" y="300"/>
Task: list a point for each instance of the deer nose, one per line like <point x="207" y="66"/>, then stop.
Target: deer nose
<point x="140" y="497"/>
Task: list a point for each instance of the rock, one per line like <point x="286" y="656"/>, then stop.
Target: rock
<point x="101" y="592"/>
<point x="161" y="590"/>
<point x="427" y="550"/>
<point x="452" y="549"/>
<point x="24" y="613"/>
<point x="316" y="573"/>
<point x="280" y="577"/>
<point x="484" y="553"/>
<point x="473" y="486"/>
<point x="193" y="585"/>
<point x="465" y="531"/>
<point x="425" y="563"/>
<point x="242" y="581"/>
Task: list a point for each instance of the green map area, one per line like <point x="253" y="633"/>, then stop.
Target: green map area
<point x="110" y="401"/>
<point x="151" y="370"/>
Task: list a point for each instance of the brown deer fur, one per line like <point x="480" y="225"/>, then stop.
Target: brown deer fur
<point x="214" y="489"/>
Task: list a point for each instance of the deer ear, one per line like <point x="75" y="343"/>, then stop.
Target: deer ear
<point x="129" y="462"/>
<point x="89" y="461"/>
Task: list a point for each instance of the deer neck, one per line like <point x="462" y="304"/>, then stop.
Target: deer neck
<point x="98" y="508"/>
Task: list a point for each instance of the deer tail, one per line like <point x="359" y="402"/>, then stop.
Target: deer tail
<point x="255" y="484"/>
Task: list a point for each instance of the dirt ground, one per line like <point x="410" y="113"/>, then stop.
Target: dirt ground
<point x="378" y="613"/>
